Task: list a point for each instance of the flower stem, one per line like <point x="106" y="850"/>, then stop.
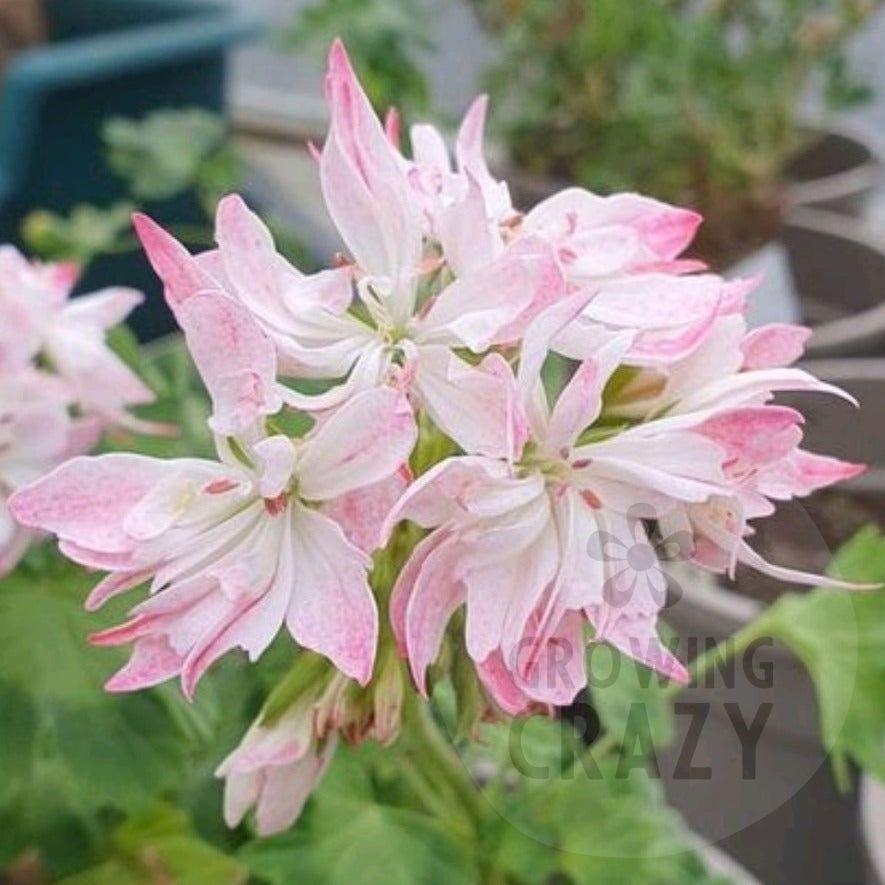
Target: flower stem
<point x="442" y="758"/>
<point x="720" y="653"/>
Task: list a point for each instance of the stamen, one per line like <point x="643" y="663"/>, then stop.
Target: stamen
<point x="275" y="506"/>
<point x="219" y="486"/>
<point x="591" y="499"/>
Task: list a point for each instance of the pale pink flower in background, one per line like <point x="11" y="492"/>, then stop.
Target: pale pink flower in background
<point x="37" y="432"/>
<point x="275" y="768"/>
<point x="231" y="548"/>
<point x="40" y="317"/>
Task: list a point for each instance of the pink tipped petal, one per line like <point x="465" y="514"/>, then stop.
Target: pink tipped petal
<point x="173" y="264"/>
<point x="755" y="435"/>
<point x="580" y="402"/>
<point x="361" y="443"/>
<point x="405" y="585"/>
<point x="774" y="346"/>
<point x="635" y="635"/>
<point x="800" y="473"/>
<point x="113" y="585"/>
<point x="332" y="611"/>
<point x="469" y="154"/>
<point x="556" y="672"/>
<point x="602" y="236"/>
<point x="153" y="661"/>
<point x="656" y="301"/>
<point x="235" y="359"/>
<point x="365" y="187"/>
<point x="85" y="500"/>
<point x="474" y="405"/>
<point x="539" y="335"/>
<point x="482" y="307"/>
<point x="469" y="238"/>
<point x="499" y="683"/>
<point x="287" y="790"/>
<point x="362" y="512"/>
<point x="436" y="594"/>
<point x="262" y="279"/>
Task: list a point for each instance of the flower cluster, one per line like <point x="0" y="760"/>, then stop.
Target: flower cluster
<point x="60" y="384"/>
<point x="440" y="446"/>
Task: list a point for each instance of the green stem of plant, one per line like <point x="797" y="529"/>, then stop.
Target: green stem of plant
<point x="444" y="760"/>
<point x="727" y="648"/>
<point x="425" y="791"/>
<point x="723" y="651"/>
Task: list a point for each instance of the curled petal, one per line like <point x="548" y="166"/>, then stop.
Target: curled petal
<point x="774" y="346"/>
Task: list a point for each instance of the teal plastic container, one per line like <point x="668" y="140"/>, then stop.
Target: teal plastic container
<point x="105" y="58"/>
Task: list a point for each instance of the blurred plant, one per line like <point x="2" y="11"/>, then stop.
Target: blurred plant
<point x="173" y="151"/>
<point x="694" y="103"/>
<point x="182" y="158"/>
<point x="386" y="39"/>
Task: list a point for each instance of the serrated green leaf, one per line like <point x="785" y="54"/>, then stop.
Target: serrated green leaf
<point x="69" y="749"/>
<point x="608" y="826"/>
<point x="347" y="840"/>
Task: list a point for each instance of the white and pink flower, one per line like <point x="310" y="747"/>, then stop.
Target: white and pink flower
<point x="231" y="548"/>
<point x="40" y="318"/>
<point x="540" y="514"/>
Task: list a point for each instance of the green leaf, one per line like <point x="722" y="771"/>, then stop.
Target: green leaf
<point x="386" y="40"/>
<point x="629" y="698"/>
<point x="169" y="152"/>
<point x="840" y="638"/>
<point x="162" y="847"/>
<point x="347" y="836"/>
<point x="69" y="749"/>
<point x="603" y="825"/>
<point x="83" y="234"/>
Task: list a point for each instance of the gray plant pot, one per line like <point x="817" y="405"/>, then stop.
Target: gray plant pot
<point x="785" y="821"/>
<point x="718" y="863"/>
<point x="837" y="170"/>
<point x="838" y="270"/>
<point x="839" y="430"/>
<point x="872" y="803"/>
<point x="788" y="823"/>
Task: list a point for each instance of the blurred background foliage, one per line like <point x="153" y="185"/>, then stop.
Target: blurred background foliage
<point x="164" y="156"/>
<point x="693" y="101"/>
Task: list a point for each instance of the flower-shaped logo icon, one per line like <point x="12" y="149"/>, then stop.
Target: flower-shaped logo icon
<point x="634" y="561"/>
